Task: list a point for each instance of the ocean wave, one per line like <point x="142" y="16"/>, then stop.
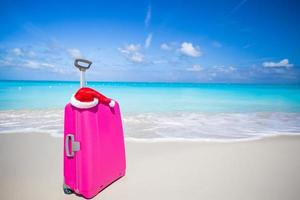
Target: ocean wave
<point x="164" y="126"/>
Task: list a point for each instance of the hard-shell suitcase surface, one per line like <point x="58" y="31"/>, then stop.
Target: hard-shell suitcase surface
<point x="94" y="151"/>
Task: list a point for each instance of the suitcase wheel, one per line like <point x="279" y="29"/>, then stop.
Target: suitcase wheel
<point x="67" y="190"/>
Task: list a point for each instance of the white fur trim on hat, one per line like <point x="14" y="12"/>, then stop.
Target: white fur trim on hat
<point x="112" y="103"/>
<point x="83" y="105"/>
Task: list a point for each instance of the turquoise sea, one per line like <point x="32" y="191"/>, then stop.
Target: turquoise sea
<point x="160" y="110"/>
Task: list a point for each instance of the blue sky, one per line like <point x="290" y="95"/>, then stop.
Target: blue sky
<point x="233" y="41"/>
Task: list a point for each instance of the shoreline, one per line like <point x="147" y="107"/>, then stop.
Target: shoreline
<point x="31" y="168"/>
<point x="175" y="139"/>
<point x="177" y="125"/>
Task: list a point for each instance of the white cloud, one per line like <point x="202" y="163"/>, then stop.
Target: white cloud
<point x="216" y="44"/>
<point x="74" y="53"/>
<point x="17" y="51"/>
<point x="231" y="68"/>
<point x="224" y="69"/>
<point x="282" y="63"/>
<point x="148" y="16"/>
<point x="23" y="52"/>
<point x="31" y="53"/>
<point x="37" y="65"/>
<point x="165" y="46"/>
<point x="131" y="48"/>
<point x="148" y="40"/>
<point x="189" y="50"/>
<point x="31" y="64"/>
<point x="160" y="61"/>
<point x="238" y="6"/>
<point x="195" y="68"/>
<point x="39" y="56"/>
<point x="137" y="57"/>
<point x="131" y="52"/>
<point x="7" y="61"/>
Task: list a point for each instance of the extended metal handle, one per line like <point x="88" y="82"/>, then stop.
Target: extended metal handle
<point x="75" y="146"/>
<point x="82" y="67"/>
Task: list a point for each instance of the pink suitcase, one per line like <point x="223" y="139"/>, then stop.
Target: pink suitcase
<point x="94" y="151"/>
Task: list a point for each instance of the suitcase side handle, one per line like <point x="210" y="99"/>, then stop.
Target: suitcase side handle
<point x="75" y="146"/>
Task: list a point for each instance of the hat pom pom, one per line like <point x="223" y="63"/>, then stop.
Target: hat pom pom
<point x="112" y="103"/>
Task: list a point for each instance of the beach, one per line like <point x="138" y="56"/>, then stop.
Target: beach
<point x="205" y="95"/>
<point x="193" y="141"/>
<point x="268" y="168"/>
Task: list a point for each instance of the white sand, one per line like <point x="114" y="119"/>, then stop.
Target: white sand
<point x="31" y="168"/>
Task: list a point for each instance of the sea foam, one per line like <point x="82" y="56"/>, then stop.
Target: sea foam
<point x="166" y="125"/>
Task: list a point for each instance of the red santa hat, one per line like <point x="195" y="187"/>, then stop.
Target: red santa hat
<point x="87" y="98"/>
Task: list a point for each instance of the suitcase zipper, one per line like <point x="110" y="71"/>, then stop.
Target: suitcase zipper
<point x="76" y="158"/>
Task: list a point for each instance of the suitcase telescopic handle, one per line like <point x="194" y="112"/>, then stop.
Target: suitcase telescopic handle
<point x="82" y="67"/>
<point x="75" y="146"/>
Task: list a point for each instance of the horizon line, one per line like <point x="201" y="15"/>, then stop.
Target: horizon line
<point x="149" y="82"/>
